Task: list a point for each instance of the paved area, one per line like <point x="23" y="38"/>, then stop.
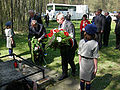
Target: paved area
<point x="70" y="83"/>
<point x="49" y="83"/>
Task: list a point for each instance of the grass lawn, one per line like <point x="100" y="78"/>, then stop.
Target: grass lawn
<point x="108" y="75"/>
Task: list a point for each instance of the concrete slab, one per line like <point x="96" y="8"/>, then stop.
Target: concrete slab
<point x="70" y="83"/>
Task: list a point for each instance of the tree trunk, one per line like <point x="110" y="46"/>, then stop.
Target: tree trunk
<point x="1" y="17"/>
<point x="41" y="5"/>
<point x="12" y="13"/>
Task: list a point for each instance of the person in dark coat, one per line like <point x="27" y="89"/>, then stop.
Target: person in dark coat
<point x="36" y="17"/>
<point x="100" y="23"/>
<point x="47" y="20"/>
<point x="107" y="30"/>
<point x="117" y="31"/>
<point x="31" y="12"/>
<point x="93" y="20"/>
<point x="67" y="52"/>
<point x="68" y="16"/>
<point x="36" y="30"/>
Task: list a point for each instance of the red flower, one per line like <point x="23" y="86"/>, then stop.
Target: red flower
<point x="46" y="35"/>
<point x="71" y="41"/>
<point x="62" y="29"/>
<point x="56" y="30"/>
<point x="51" y="31"/>
<point x="66" y="34"/>
<point x="50" y="34"/>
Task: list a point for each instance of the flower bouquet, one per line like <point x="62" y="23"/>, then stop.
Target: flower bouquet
<point x="58" y="38"/>
<point x="36" y="49"/>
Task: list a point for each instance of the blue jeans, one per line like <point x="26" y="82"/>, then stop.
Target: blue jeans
<point x="10" y="51"/>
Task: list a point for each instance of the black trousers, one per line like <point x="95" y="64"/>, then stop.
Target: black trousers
<point x="118" y="41"/>
<point x="106" y="37"/>
<point x="99" y="39"/>
<point x="67" y="55"/>
<point x="47" y="23"/>
<point x="82" y="34"/>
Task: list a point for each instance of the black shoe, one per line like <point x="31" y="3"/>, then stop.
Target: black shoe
<point x="63" y="77"/>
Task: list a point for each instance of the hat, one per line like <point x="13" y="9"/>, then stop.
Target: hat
<point x="85" y="15"/>
<point x="9" y="23"/>
<point x="91" y="29"/>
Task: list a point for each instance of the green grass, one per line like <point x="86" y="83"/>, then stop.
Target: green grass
<point x="108" y="75"/>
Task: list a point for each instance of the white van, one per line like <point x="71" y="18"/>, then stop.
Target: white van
<point x="76" y="11"/>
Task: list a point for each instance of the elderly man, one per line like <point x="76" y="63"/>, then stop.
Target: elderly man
<point x="34" y="16"/>
<point x="67" y="52"/>
<point x="36" y="30"/>
<point x="117" y="31"/>
<point x="100" y="23"/>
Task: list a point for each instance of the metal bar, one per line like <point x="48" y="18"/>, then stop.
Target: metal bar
<point x="5" y="56"/>
<point x="43" y="74"/>
<point x="8" y="55"/>
<point x="21" y="78"/>
<point x="41" y="69"/>
<point x="29" y="62"/>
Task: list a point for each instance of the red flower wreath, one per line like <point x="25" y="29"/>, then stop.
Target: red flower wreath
<point x="66" y="34"/>
<point x="50" y="34"/>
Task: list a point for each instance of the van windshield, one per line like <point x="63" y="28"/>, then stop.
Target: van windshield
<point x="50" y="7"/>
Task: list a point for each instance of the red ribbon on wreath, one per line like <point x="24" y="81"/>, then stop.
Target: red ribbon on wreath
<point x="71" y="41"/>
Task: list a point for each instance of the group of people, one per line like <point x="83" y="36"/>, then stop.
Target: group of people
<point x="103" y="24"/>
<point x="87" y="51"/>
<point x="90" y="43"/>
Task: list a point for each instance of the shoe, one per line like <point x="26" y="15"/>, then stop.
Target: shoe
<point x="63" y="77"/>
<point x="10" y="56"/>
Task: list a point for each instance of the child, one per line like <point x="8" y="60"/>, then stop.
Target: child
<point x="83" y="24"/>
<point x="9" y="38"/>
<point x="88" y="54"/>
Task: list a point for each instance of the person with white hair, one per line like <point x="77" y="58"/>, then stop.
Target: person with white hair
<point x="32" y="14"/>
<point x="67" y="52"/>
<point x="36" y="30"/>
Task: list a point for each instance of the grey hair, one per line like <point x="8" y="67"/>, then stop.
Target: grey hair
<point x="33" y="22"/>
<point x="60" y="16"/>
<point x="31" y="11"/>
